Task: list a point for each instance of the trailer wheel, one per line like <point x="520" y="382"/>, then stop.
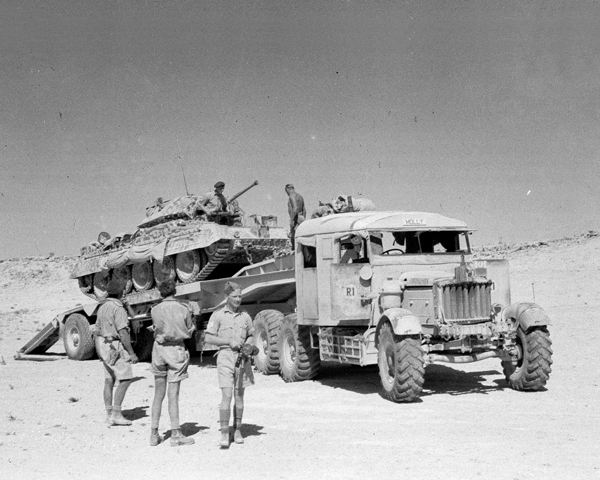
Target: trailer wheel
<point x="77" y="338"/>
<point x="267" y="325"/>
<point x="298" y="361"/>
<point x="533" y="361"/>
<point x="143" y="344"/>
<point x="401" y="365"/>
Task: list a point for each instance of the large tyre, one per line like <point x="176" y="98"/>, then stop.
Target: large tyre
<point x="77" y="338"/>
<point x="164" y="270"/>
<point x="534" y="360"/>
<point x="100" y="285"/>
<point x="401" y="365"/>
<point x="297" y="360"/>
<point x="188" y="265"/>
<point x="144" y="342"/>
<point x="142" y="277"/>
<point x="267" y="325"/>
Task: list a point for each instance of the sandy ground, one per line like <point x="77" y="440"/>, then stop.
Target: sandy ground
<point x="468" y="424"/>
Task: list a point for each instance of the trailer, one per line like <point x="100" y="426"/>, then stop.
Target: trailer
<point x="400" y="290"/>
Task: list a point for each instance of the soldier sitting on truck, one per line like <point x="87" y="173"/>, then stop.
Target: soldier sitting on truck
<point x="353" y="251"/>
<point x="347" y="203"/>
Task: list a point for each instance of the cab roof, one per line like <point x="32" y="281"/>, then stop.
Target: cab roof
<point x="378" y="221"/>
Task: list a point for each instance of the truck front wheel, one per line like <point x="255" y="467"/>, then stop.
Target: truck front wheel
<point x="77" y="338"/>
<point x="401" y="366"/>
<point x="534" y="358"/>
<point x="267" y="325"/>
<point x="298" y="361"/>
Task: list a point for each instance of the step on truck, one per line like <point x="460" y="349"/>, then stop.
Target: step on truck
<point x="398" y="289"/>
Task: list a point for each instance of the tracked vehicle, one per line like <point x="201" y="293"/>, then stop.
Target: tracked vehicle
<point x="178" y="240"/>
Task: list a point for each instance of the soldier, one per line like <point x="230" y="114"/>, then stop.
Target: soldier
<point x="347" y="203"/>
<point x="215" y="202"/>
<point x="322" y="210"/>
<point x="231" y="328"/>
<point x="113" y="345"/>
<point x="296" y="209"/>
<point x="172" y="323"/>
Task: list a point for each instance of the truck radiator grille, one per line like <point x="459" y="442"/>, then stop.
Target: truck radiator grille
<point x="466" y="302"/>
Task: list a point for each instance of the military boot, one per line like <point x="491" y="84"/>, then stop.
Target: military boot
<point x="177" y="438"/>
<point x="224" y="415"/>
<point x="117" y="417"/>
<point x="155" y="438"/>
<point x="237" y="424"/>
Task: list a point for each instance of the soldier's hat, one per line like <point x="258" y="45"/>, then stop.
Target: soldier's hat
<point x="219" y="185"/>
<point x="289" y="185"/>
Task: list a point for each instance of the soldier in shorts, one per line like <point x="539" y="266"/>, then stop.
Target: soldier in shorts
<point x="172" y="323"/>
<point x="113" y="345"/>
<point x="230" y="328"/>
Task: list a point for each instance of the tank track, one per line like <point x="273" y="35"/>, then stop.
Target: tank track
<point x="213" y="262"/>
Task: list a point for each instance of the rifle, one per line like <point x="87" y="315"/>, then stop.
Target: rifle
<point x="242" y="192"/>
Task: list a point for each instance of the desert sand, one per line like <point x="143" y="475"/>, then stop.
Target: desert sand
<point x="467" y="424"/>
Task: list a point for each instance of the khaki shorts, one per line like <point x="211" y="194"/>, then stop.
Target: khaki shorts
<point x="170" y="361"/>
<point x="225" y="368"/>
<point x="121" y="370"/>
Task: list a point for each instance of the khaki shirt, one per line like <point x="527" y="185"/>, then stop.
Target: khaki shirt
<point x="214" y="203"/>
<point x="172" y="321"/>
<point x="112" y="317"/>
<point x="228" y="325"/>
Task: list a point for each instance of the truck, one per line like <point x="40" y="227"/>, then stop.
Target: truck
<point x="400" y="290"/>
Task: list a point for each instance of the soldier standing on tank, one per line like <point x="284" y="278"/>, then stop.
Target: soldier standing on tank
<point x="172" y="323"/>
<point x="215" y="202"/>
<point x="229" y="328"/>
<point x="296" y="210"/>
<point x="113" y="345"/>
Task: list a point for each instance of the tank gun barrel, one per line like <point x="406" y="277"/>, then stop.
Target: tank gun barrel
<point x="242" y="192"/>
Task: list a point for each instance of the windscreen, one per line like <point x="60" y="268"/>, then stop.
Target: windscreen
<point x="419" y="242"/>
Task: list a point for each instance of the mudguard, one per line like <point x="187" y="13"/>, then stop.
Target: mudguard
<point x="527" y="315"/>
<point x="403" y="321"/>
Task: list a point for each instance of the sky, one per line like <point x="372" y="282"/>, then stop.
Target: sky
<point x="484" y="111"/>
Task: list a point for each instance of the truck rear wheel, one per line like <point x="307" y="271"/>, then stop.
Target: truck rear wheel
<point x="298" y="361"/>
<point x="77" y="338"/>
<point x="267" y="325"/>
<point x="401" y="366"/>
<point x="533" y="361"/>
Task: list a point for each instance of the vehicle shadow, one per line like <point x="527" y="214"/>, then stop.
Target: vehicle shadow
<point x="439" y="380"/>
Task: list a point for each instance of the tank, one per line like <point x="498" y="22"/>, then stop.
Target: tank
<point x="179" y="240"/>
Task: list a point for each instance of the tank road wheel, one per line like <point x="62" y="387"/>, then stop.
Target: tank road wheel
<point x="297" y="361"/>
<point x="144" y="342"/>
<point x="100" y="284"/>
<point x="77" y="338"/>
<point x="533" y="361"/>
<point x="124" y="273"/>
<point x="141" y="276"/>
<point x="267" y="325"/>
<point x="401" y="365"/>
<point x="188" y="265"/>
<point x="164" y="270"/>
<point x="86" y="283"/>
